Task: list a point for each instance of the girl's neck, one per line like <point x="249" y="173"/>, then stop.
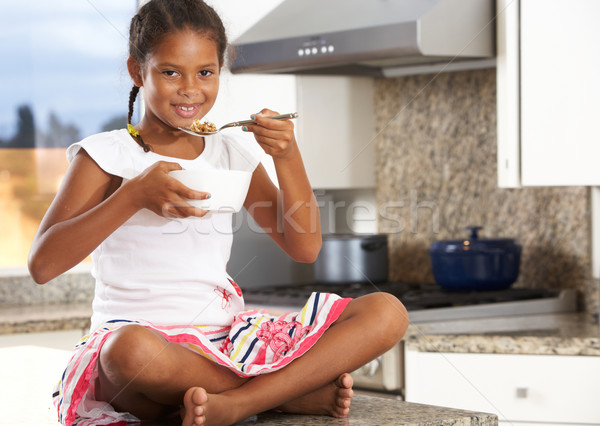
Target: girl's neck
<point x="171" y="142"/>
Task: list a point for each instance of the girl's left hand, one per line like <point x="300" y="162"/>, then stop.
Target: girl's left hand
<point x="276" y="137"/>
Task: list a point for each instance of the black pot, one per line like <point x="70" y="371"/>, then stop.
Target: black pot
<point x="475" y="264"/>
<point x="352" y="258"/>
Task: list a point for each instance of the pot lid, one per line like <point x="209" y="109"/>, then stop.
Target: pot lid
<point x="475" y="244"/>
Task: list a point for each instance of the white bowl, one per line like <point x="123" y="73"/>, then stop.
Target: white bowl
<point x="227" y="188"/>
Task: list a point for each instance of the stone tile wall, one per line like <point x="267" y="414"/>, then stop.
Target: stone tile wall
<point x="436" y="174"/>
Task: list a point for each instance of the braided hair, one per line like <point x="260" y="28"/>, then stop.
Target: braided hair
<point x="158" y="18"/>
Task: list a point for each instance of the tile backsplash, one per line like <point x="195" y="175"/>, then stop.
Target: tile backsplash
<point x="436" y="174"/>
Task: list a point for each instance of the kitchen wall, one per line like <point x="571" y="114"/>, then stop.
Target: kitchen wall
<point x="256" y="261"/>
<point x="436" y="174"/>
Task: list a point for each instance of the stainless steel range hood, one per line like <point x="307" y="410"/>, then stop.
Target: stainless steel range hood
<point x="368" y="37"/>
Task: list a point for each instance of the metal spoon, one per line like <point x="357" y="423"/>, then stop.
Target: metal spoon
<point x="238" y="124"/>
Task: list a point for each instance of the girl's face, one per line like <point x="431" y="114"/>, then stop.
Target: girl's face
<point x="180" y="79"/>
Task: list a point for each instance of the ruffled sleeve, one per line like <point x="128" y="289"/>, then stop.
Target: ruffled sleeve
<point x="112" y="151"/>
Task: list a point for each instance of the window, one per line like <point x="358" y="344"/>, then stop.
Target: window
<point x="63" y="77"/>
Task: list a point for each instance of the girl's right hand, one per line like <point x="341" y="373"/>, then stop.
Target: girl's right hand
<point x="164" y="195"/>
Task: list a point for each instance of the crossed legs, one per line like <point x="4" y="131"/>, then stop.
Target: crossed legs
<point x="140" y="372"/>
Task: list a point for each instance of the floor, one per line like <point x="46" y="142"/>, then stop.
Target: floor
<point x="30" y="366"/>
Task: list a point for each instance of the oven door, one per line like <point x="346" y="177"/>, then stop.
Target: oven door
<point x="383" y="374"/>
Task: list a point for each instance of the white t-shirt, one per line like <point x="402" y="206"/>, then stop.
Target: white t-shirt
<point x="165" y="271"/>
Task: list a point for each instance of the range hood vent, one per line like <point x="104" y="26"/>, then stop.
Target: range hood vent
<point x="369" y="37"/>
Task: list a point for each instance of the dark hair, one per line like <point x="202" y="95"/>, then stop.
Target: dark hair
<point x="158" y="18"/>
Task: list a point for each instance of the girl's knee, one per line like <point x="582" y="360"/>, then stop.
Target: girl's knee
<point x="128" y="350"/>
<point x="390" y="316"/>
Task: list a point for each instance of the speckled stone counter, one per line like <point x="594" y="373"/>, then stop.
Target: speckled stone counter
<point x="64" y="303"/>
<point x="366" y="410"/>
<point x="71" y="287"/>
<point x="562" y="334"/>
<point x="38" y="318"/>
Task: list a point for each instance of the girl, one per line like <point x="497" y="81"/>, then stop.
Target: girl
<point x="169" y="334"/>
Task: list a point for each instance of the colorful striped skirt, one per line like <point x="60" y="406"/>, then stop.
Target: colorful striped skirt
<point x="256" y="343"/>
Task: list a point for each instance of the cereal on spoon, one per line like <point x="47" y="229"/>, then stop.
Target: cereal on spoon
<point x="203" y="127"/>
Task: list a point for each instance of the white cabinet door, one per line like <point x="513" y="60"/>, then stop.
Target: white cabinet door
<point x="560" y="92"/>
<point x="518" y="388"/>
<point x="336" y="131"/>
<point x="548" y="92"/>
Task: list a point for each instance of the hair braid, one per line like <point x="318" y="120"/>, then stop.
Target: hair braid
<point x="134" y="134"/>
<point x="132" y="96"/>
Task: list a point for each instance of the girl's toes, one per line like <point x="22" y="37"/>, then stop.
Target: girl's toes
<point x="345" y="381"/>
<point x="341" y="412"/>
<point x="343" y="402"/>
<point x="199" y="396"/>
<point x="193" y="412"/>
<point x="345" y="393"/>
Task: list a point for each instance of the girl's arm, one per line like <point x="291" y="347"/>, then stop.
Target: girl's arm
<point x="91" y="204"/>
<point x="290" y="215"/>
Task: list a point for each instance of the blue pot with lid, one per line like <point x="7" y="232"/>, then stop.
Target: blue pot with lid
<point x="475" y="264"/>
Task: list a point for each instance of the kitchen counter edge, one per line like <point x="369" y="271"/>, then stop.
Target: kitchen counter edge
<point x="372" y="410"/>
<point x="575" y="334"/>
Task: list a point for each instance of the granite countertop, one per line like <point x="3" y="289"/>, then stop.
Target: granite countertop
<point x="51" y="317"/>
<point x="370" y="410"/>
<point x="367" y="410"/>
<point x="557" y="334"/>
<point x="66" y="304"/>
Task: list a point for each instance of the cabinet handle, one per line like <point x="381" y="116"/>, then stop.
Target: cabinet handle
<point x="522" y="393"/>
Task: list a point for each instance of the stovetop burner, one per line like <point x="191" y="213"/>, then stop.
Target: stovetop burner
<point x="424" y="301"/>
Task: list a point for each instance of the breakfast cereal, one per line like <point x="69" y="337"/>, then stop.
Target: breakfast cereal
<point x="203" y="127"/>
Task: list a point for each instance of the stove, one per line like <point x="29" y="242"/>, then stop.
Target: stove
<point x="425" y="302"/>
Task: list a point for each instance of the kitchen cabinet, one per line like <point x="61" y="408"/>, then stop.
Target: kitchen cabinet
<point x="336" y="130"/>
<point x="547" y="92"/>
<point x="336" y="124"/>
<point x="520" y="389"/>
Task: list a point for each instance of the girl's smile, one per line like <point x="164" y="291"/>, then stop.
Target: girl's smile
<point x="187" y="111"/>
<point x="180" y="80"/>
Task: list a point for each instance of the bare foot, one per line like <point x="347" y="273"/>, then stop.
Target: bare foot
<point x="192" y="412"/>
<point x="200" y="408"/>
<point x="331" y="400"/>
